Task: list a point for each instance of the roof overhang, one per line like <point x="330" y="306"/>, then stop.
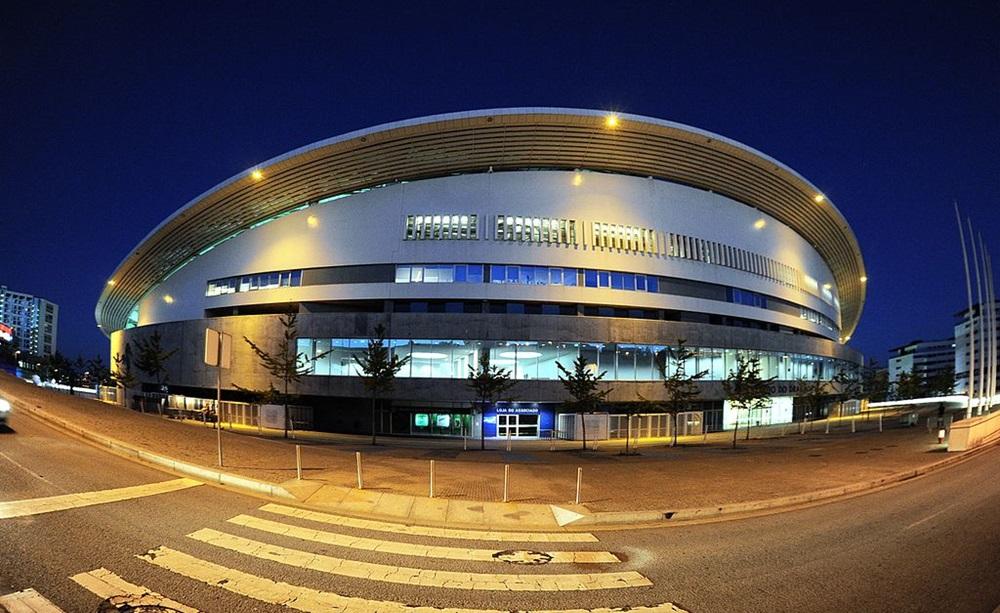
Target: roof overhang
<point x="501" y="139"/>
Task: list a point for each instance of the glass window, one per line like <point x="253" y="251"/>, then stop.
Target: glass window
<point x="617" y="280"/>
<point x="590" y="278"/>
<point x="475" y="273"/>
<point x="527" y="276"/>
<point x="513" y="274"/>
<point x="653" y="284"/>
<point x="603" y="278"/>
<point x="569" y="276"/>
<point x="555" y="276"/>
<point x="628" y="281"/>
<point x="498" y="273"/>
<point x="460" y="273"/>
<point x="402" y="274"/>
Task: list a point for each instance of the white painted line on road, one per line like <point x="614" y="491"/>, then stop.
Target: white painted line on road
<point x="929" y="517"/>
<point x="308" y="599"/>
<point x="447" y="533"/>
<point x="410" y="549"/>
<point x="107" y="585"/>
<point x="35" y="506"/>
<point x="417" y="576"/>
<point x="27" y="601"/>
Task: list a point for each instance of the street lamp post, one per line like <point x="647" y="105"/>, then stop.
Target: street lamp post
<point x="218" y="353"/>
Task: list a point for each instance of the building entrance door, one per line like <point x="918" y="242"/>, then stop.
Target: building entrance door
<point x="517" y="425"/>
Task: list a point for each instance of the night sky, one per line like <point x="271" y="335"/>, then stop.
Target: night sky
<point x="116" y="114"/>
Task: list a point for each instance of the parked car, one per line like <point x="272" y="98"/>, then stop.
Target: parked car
<point x="4" y="411"/>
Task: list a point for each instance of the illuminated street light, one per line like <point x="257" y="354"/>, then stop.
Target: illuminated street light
<point x="864" y="279"/>
<point x="312" y="221"/>
<point x="577" y="179"/>
<point x="257" y="174"/>
<point x="818" y="198"/>
<point x="168" y="298"/>
<point x="759" y="224"/>
<point x="611" y="121"/>
<point x="111" y="282"/>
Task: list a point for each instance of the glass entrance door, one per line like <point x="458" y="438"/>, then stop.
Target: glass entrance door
<point x="517" y="425"/>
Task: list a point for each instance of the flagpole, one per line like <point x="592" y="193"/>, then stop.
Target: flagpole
<point x="979" y="309"/>
<point x="970" y="387"/>
<point x="991" y="372"/>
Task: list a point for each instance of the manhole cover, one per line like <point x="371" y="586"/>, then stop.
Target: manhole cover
<point x="519" y="556"/>
<point x="135" y="603"/>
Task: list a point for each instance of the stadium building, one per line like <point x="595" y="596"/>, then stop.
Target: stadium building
<point x="536" y="234"/>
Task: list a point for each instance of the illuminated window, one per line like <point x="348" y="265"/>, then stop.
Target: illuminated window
<point x="441" y="227"/>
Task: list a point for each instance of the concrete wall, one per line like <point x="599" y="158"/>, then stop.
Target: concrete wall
<point x="971" y="433"/>
<point x="368" y="228"/>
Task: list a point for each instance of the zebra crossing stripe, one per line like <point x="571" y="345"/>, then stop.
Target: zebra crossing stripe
<point x="410" y="549"/>
<point x="416" y="576"/>
<point x="106" y="584"/>
<point x="445" y="533"/>
<point x="49" y="504"/>
<point x="302" y="598"/>
<point x="27" y="601"/>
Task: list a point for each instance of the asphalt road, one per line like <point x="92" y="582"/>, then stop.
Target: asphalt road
<point x="931" y="544"/>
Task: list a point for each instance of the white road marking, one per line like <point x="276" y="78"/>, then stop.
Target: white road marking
<point x="105" y="584"/>
<point x="35" y="506"/>
<point x="27" y="470"/>
<point x="447" y="533"/>
<point x="929" y="517"/>
<point x="565" y="516"/>
<point x="307" y="599"/>
<point x="410" y="549"/>
<point x="27" y="601"/>
<point x="417" y="576"/>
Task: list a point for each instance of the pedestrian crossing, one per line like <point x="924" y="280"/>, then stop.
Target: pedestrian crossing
<point x="227" y="558"/>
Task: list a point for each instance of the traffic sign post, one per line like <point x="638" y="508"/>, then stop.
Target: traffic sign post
<point x="218" y="353"/>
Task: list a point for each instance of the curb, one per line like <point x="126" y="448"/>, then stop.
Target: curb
<point x="733" y="511"/>
<point x="600" y="519"/>
<point x="193" y="470"/>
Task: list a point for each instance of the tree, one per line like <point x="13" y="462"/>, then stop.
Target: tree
<point x="122" y="373"/>
<point x="99" y="373"/>
<point x="941" y="384"/>
<point x="378" y="368"/>
<point x="680" y="387"/>
<point x="909" y="385"/>
<point x="286" y="365"/>
<point x="489" y="383"/>
<point x="874" y="382"/>
<point x="812" y="392"/>
<point x="746" y="390"/>
<point x="151" y="358"/>
<point x="584" y="387"/>
<point x="847" y="384"/>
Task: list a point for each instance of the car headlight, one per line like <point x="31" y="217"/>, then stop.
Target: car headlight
<point x="4" y="407"/>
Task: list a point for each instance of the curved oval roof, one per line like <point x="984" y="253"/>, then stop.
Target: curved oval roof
<point x="504" y="139"/>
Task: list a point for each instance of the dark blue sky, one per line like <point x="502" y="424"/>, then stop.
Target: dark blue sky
<point x="116" y="114"/>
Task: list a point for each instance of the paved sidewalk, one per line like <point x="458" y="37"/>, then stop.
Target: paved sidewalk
<point x="693" y="475"/>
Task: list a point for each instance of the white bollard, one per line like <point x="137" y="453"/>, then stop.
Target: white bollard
<point x="357" y="460"/>
<point x="432" y="478"/>
<point x="506" y="481"/>
<point x="508" y="439"/>
<point x="552" y="440"/>
<point x="298" y="462"/>
<point x="802" y="427"/>
<point x="879" y="422"/>
<point x="827" y="425"/>
<point x="465" y="440"/>
<point x="579" y="482"/>
<point x="854" y="421"/>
